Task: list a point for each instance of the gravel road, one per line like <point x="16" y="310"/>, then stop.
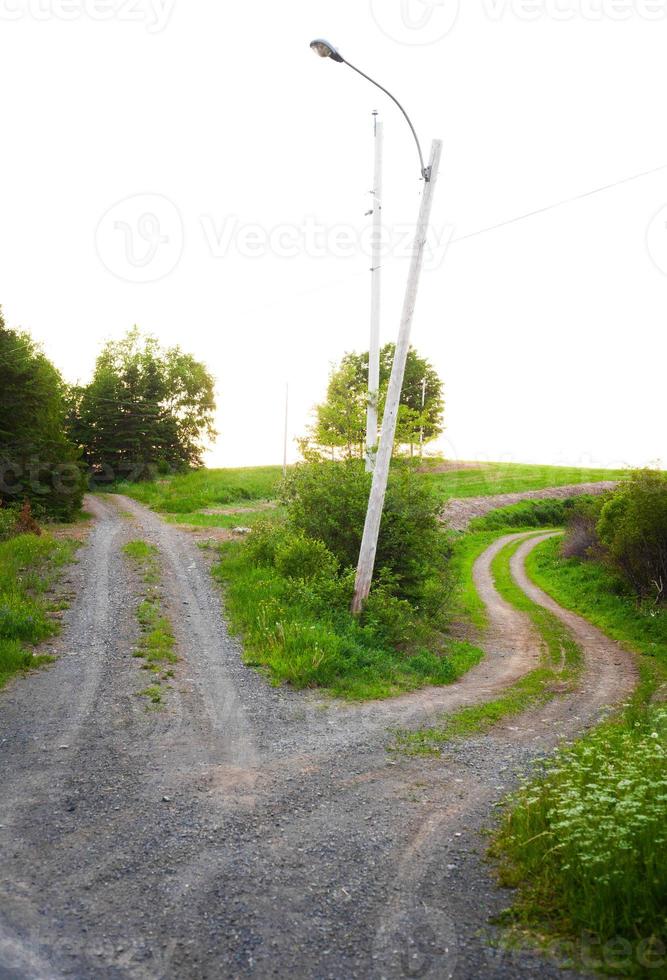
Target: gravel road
<point x="460" y="511"/>
<point x="244" y="830"/>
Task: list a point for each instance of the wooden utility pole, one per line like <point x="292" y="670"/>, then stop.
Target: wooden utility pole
<point x="374" y="349"/>
<point x="381" y="472"/>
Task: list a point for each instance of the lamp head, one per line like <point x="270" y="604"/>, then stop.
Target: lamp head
<point x="325" y="50"/>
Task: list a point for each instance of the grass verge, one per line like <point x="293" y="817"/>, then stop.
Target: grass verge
<point x="561" y="664"/>
<point x="157" y="643"/>
<point x="29" y="567"/>
<point x="584" y="842"/>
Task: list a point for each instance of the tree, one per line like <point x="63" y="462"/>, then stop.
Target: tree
<point x="340" y="421"/>
<point x="145" y="410"/>
<point x="633" y="530"/>
<point x="37" y="460"/>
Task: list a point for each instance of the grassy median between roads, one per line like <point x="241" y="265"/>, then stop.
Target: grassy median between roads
<point x="585" y="841"/>
<point x="156" y="645"/>
<point x="297" y="629"/>
<point x="29" y="567"/>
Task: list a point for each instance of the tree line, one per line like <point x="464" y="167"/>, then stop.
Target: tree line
<point x="149" y="410"/>
<point x="146" y="410"/>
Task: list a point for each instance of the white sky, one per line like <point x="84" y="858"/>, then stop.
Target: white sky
<point x="216" y="123"/>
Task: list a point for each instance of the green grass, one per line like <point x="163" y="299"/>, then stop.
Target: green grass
<point x="248" y="517"/>
<point x="202" y="489"/>
<point x="205" y="488"/>
<point x="598" y="594"/>
<point x="29" y="567"/>
<point x="153" y="692"/>
<point x="585" y="843"/>
<point x="297" y="635"/>
<point x="466" y="549"/>
<point x="492" y="478"/>
<point x="531" y="690"/>
<point x="157" y="643"/>
<point x="561" y="663"/>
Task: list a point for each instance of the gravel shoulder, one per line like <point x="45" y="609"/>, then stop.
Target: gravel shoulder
<point x="245" y="830"/>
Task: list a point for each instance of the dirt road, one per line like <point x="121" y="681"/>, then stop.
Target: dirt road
<point x="460" y="511"/>
<point x="244" y="830"/>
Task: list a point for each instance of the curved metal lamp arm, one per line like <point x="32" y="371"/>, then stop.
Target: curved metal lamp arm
<point x="425" y="171"/>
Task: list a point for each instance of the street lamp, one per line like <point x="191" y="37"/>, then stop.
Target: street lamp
<point x="371" y="532"/>
<point x="326" y="50"/>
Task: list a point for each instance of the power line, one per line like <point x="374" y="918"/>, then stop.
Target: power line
<point x="559" y="204"/>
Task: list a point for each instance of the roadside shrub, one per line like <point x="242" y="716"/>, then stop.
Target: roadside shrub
<point x="581" y="539"/>
<point x="299" y="557"/>
<point x="527" y="513"/>
<point x="25" y="521"/>
<point x="327" y="501"/>
<point x="633" y="529"/>
<point x="388" y="616"/>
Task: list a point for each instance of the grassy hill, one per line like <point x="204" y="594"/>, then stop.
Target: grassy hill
<point x="219" y="488"/>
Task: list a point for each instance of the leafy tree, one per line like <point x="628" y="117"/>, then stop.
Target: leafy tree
<point x="37" y="460"/>
<point x="145" y="410"/>
<point x="633" y="530"/>
<point x="340" y="421"/>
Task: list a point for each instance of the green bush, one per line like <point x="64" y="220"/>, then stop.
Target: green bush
<point x="527" y="513"/>
<point x="633" y="530"/>
<point x="328" y="501"/>
<point x="299" y="557"/>
<point x="581" y="538"/>
<point x="8" y="519"/>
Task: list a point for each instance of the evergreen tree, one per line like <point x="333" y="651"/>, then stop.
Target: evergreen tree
<point x="145" y="410"/>
<point x="37" y="460"/>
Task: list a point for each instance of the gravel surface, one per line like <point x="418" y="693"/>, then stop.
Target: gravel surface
<point x="244" y="830"/>
<point x="459" y="512"/>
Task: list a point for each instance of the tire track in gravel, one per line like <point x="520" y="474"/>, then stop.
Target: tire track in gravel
<point x="245" y="830"/>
